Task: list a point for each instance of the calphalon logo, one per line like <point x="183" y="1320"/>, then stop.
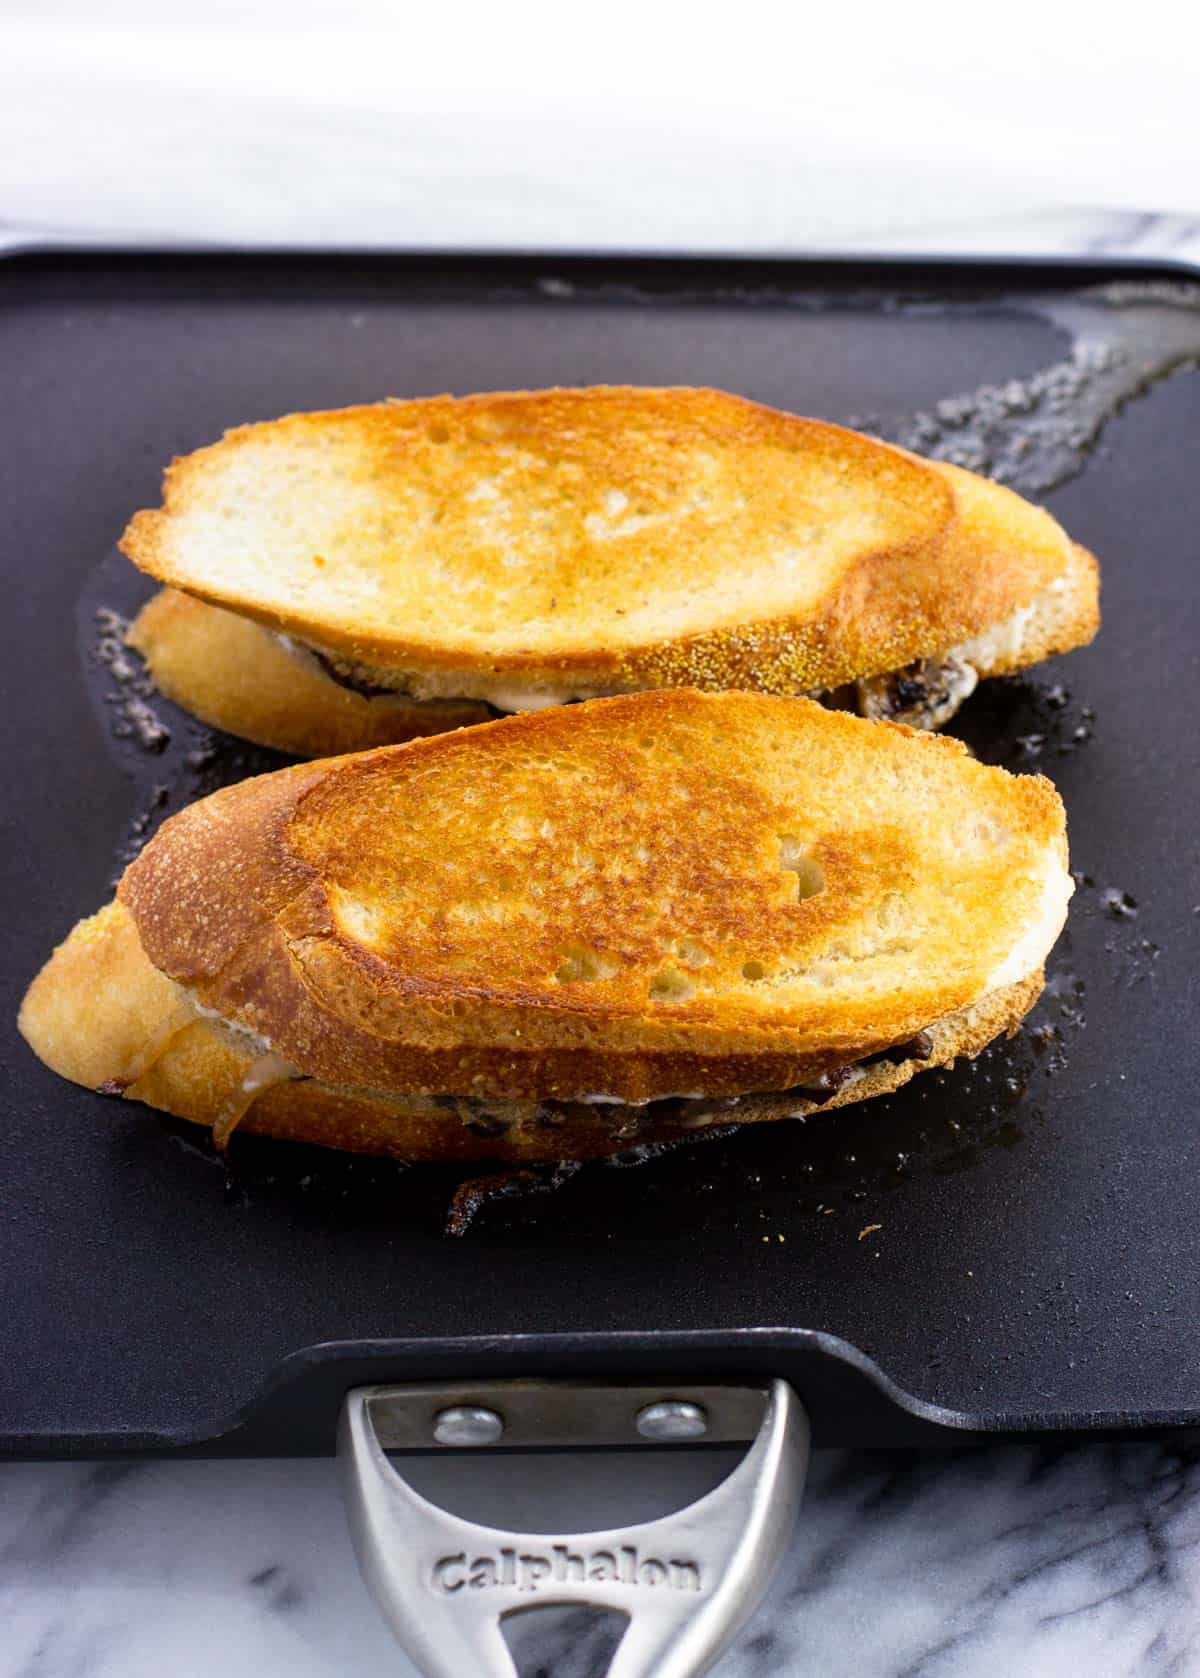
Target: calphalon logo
<point x="530" y="1570"/>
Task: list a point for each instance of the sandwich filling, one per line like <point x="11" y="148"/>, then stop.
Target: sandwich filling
<point x="630" y="1119"/>
<point x="926" y="694"/>
<point x="620" y="1121"/>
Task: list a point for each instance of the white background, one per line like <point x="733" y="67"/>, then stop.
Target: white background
<point x="744" y="126"/>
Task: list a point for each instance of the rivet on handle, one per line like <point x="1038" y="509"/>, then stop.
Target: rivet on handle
<point x="468" y="1424"/>
<point x="672" y="1419"/>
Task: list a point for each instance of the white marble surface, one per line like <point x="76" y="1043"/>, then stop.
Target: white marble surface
<point x="1006" y="1562"/>
<point x="630" y="128"/>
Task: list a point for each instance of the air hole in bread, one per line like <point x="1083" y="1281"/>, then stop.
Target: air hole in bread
<point x="670" y="985"/>
<point x="794" y="859"/>
<point x="438" y="433"/>
<point x="582" y="965"/>
<point x="992" y="832"/>
<point x="889" y="911"/>
<point x="690" y="953"/>
<point x="753" y="970"/>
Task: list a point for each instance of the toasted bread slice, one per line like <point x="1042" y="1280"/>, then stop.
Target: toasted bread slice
<point x="525" y="548"/>
<point x="653" y="912"/>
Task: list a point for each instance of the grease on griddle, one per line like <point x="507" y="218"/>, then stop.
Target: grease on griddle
<point x="1136" y="960"/>
<point x="475" y="1193"/>
<point x="1038" y="432"/>
<point x="1019" y="722"/>
<point x="1032" y="433"/>
<point x="194" y="763"/>
<point x="1118" y="904"/>
<point x="131" y="687"/>
<point x="644" y="1153"/>
<point x="1133" y="958"/>
<point x="172" y="758"/>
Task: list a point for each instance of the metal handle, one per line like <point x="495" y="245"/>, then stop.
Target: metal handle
<point x="686" y="1582"/>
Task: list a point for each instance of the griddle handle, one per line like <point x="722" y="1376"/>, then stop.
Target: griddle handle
<point x="686" y="1582"/>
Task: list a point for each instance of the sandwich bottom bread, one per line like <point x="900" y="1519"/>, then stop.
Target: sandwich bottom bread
<point x="239" y="676"/>
<point x="568" y="932"/>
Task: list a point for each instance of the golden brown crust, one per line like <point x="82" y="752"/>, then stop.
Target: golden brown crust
<point x="598" y="899"/>
<point x="1065" y="615"/>
<point x="99" y="1011"/>
<point x="621" y="537"/>
<point x="101" y="1014"/>
<point x="235" y="675"/>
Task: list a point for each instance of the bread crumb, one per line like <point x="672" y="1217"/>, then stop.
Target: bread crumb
<point x="869" y="1229"/>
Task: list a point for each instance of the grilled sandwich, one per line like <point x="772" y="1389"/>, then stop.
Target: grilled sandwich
<point x="564" y="933"/>
<point x="342" y="580"/>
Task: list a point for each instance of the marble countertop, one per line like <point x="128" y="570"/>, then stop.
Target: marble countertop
<point x="496" y="130"/>
<point x="528" y="125"/>
<point x="1003" y="1562"/>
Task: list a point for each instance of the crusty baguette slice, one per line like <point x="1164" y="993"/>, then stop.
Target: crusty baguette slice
<point x="561" y="930"/>
<point x="230" y="672"/>
<point x="236" y="674"/>
<point x="522" y="548"/>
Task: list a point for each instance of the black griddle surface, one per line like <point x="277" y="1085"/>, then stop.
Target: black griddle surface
<point x="1039" y="1248"/>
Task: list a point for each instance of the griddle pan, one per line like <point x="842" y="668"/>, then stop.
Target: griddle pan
<point x="1008" y="1247"/>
